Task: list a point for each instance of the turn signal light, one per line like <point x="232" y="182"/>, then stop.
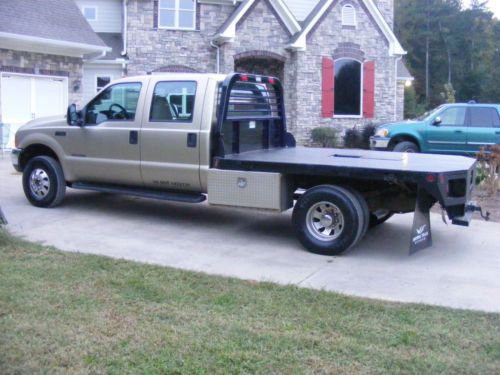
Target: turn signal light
<point x="430" y="178"/>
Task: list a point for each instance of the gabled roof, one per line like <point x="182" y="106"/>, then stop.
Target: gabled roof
<point x="51" y="26"/>
<point x="227" y="31"/>
<point x="299" y="41"/>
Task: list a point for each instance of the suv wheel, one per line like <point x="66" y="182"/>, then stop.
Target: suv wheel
<point x="406" y="147"/>
<point x="43" y="182"/>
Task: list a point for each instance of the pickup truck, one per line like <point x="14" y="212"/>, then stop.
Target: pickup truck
<point x="189" y="137"/>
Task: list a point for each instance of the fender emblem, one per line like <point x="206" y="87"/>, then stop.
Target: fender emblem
<point x="242" y="182"/>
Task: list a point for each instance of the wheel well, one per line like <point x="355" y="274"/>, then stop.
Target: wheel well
<point x="35" y="150"/>
<point x="403" y="138"/>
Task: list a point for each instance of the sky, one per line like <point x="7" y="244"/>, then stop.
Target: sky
<point x="494" y="6"/>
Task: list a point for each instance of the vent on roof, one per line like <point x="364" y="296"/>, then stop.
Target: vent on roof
<point x="348" y="15"/>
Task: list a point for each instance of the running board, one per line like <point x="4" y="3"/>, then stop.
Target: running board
<point x="144" y="193"/>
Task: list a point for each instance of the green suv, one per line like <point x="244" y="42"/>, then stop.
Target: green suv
<point x="449" y="129"/>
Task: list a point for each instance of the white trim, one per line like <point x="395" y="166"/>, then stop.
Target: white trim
<point x="106" y="62"/>
<point x="394" y="47"/>
<point x="228" y="34"/>
<point x="177" y="11"/>
<point x="95" y="11"/>
<point x="101" y="76"/>
<point x="66" y="48"/>
<point x="361" y="88"/>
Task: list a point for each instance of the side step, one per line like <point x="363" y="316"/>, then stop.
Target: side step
<point x="144" y="193"/>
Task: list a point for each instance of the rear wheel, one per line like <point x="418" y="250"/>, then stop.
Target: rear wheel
<point x="43" y="182"/>
<point x="406" y="147"/>
<point x="328" y="220"/>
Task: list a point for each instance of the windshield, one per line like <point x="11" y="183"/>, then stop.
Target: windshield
<point x="429" y="114"/>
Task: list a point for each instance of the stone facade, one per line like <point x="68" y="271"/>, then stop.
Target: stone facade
<point x="262" y="40"/>
<point x="47" y="65"/>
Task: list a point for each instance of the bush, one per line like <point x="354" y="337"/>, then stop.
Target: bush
<point x="489" y="165"/>
<point x="355" y="138"/>
<point x="325" y="136"/>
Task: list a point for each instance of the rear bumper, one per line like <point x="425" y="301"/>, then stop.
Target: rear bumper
<point x="379" y="143"/>
<point x="14" y="157"/>
<point x="470" y="208"/>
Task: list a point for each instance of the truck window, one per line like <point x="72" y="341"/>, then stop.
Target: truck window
<point x="454" y="116"/>
<point x="173" y="101"/>
<point x="116" y="103"/>
<point x="484" y="117"/>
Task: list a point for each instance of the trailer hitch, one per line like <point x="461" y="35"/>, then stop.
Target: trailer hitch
<point x="472" y="207"/>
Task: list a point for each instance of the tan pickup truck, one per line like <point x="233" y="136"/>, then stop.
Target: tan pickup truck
<point x="186" y="137"/>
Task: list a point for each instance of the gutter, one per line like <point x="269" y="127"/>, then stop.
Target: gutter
<point x="396" y="87"/>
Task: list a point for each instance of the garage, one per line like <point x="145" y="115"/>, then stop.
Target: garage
<point x="27" y="97"/>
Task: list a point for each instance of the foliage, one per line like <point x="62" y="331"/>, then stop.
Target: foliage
<point x="359" y="138"/>
<point x="447" y="44"/>
<point x="325" y="136"/>
<point x="489" y="167"/>
<point x="448" y="94"/>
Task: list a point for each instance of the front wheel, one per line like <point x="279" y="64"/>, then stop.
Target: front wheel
<point x="406" y="147"/>
<point x="328" y="220"/>
<point x="43" y="182"/>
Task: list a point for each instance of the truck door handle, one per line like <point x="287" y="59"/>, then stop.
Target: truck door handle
<point x="497" y="132"/>
<point x="458" y="131"/>
<point x="191" y="140"/>
<point x="133" y="137"/>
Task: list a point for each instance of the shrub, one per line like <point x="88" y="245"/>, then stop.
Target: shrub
<point x="355" y="138"/>
<point x="325" y="136"/>
<point x="489" y="165"/>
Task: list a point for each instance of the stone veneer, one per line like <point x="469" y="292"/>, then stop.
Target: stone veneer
<point x="152" y="49"/>
<point x="42" y="64"/>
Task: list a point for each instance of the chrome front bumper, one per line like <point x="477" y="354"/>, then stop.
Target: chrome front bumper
<point x="379" y="143"/>
<point x="14" y="157"/>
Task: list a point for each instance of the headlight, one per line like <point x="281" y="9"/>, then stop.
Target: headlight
<point x="381" y="132"/>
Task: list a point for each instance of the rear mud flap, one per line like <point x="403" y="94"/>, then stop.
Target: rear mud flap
<point x="421" y="236"/>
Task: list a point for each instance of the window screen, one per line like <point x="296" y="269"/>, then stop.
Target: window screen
<point x="173" y="101"/>
<point x="347" y="88"/>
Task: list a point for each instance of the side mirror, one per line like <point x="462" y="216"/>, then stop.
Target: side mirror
<point x="437" y="121"/>
<point x="73" y="116"/>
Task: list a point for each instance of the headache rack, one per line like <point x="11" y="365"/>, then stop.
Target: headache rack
<point x="251" y="115"/>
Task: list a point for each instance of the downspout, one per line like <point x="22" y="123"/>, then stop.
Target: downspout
<point x="217" y="47"/>
<point x="124" y="36"/>
<point x="396" y="88"/>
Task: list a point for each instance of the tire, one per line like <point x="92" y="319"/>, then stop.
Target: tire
<point x="364" y="214"/>
<point x="379" y="219"/>
<point x="406" y="147"/>
<point x="328" y="208"/>
<point x="43" y="182"/>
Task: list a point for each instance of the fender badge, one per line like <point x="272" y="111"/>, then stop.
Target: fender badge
<point x="242" y="182"/>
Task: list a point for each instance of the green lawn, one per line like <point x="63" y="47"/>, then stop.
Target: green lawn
<point x="72" y="313"/>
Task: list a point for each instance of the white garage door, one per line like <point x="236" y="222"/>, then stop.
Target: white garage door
<point x="24" y="98"/>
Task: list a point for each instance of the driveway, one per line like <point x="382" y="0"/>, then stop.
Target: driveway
<point x="461" y="270"/>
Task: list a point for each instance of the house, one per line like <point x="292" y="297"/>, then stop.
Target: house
<point x="339" y="60"/>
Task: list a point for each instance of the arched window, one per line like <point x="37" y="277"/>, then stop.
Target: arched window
<point x="348" y="15"/>
<point x="347" y="86"/>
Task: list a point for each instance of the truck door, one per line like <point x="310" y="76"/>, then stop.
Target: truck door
<point x="106" y="148"/>
<point x="170" y="134"/>
<point x="447" y="131"/>
<point x="483" y="129"/>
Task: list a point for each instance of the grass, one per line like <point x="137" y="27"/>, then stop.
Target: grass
<point x="72" y="313"/>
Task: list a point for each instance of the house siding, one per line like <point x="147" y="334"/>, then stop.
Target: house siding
<point x="42" y="64"/>
<point x="109" y="15"/>
<point x="89" y="77"/>
<point x="366" y="42"/>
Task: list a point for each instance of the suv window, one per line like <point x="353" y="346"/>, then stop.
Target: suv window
<point x="454" y="116"/>
<point x="116" y="103"/>
<point x="484" y="117"/>
<point x="173" y="101"/>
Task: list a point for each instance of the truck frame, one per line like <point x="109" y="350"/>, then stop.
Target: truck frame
<point x="248" y="159"/>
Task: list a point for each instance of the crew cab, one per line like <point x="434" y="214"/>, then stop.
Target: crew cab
<point x="460" y="129"/>
<point x="189" y="137"/>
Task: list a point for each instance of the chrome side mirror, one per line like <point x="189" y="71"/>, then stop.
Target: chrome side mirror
<point x="437" y="121"/>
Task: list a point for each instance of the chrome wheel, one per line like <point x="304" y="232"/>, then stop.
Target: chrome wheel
<point x="325" y="221"/>
<point x="39" y="183"/>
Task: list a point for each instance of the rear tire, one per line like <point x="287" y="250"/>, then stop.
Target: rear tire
<point x="406" y="147"/>
<point x="43" y="182"/>
<point x="328" y="220"/>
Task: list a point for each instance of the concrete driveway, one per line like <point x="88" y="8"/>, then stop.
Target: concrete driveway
<point x="462" y="270"/>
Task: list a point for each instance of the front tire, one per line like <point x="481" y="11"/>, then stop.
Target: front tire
<point x="43" y="182"/>
<point x="406" y="147"/>
<point x="328" y="220"/>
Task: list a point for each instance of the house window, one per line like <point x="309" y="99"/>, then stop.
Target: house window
<point x="90" y="13"/>
<point x="177" y="14"/>
<point x="101" y="82"/>
<point x="348" y="15"/>
<point x="348" y="84"/>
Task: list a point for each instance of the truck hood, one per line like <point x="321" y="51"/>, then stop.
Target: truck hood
<point x="45" y="122"/>
<point x="400" y="123"/>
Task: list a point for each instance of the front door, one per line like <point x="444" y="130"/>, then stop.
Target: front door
<point x="106" y="148"/>
<point x="483" y="129"/>
<point x="450" y="134"/>
<point x="170" y="134"/>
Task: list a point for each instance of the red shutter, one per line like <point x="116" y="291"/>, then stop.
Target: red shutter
<point x="327" y="88"/>
<point x="369" y="89"/>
